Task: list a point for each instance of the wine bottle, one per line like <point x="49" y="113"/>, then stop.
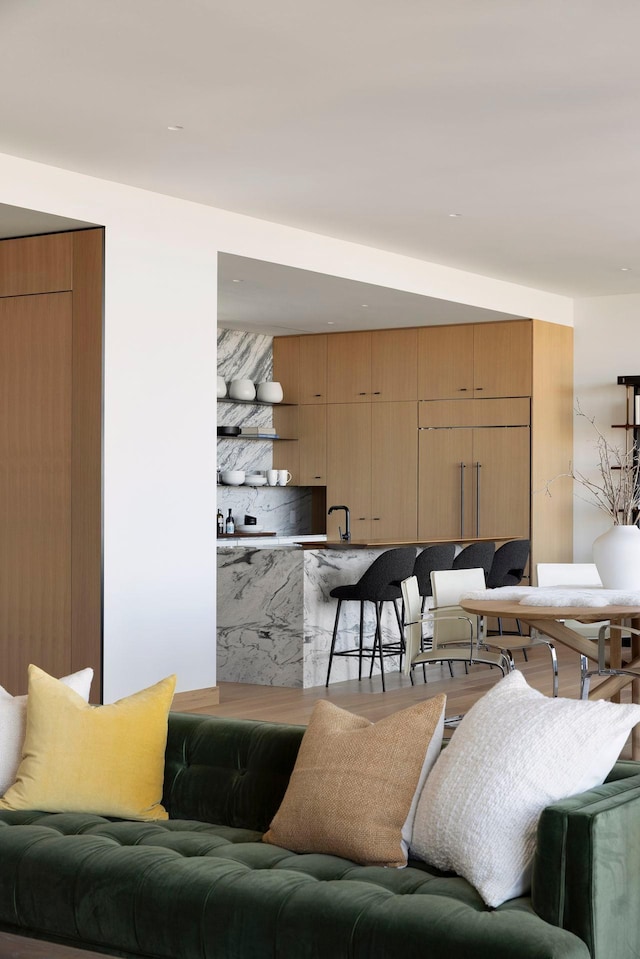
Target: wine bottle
<point x="220" y="523"/>
<point x="230" y="525"/>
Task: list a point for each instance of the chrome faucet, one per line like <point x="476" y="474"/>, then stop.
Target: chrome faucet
<point x="346" y="536"/>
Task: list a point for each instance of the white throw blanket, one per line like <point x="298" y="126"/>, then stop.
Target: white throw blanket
<point x="558" y="596"/>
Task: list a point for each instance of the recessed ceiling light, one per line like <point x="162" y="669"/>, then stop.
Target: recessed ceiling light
<point x="331" y="322"/>
<point x="455" y="214"/>
<point x="625" y="269"/>
<point x="237" y="281"/>
<point x="175" y="127"/>
<point x="365" y="306"/>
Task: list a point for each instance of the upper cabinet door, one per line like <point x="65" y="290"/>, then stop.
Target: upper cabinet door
<point x="349" y="367"/>
<point x="502" y="359"/>
<point x="445" y="362"/>
<point x="312" y="381"/>
<point x="286" y="365"/>
<point x="394" y="365"/>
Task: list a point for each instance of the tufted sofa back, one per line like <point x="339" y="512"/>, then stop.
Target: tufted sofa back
<point x="233" y="772"/>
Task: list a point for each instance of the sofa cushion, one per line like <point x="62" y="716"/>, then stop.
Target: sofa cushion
<point x="13" y="724"/>
<point x="103" y="759"/>
<point x="514" y="753"/>
<point x="180" y="889"/>
<point x="353" y="783"/>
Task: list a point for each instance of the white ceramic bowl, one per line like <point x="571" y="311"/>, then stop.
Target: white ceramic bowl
<point x="270" y="392"/>
<point x="242" y="390"/>
<point x="255" y="480"/>
<point x="232" y="477"/>
<point x="257" y="528"/>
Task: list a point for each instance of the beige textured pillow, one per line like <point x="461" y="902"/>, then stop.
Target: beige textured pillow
<point x="354" y="781"/>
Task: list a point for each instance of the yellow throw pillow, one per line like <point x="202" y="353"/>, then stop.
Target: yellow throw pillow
<point x="353" y="784"/>
<point x="107" y="760"/>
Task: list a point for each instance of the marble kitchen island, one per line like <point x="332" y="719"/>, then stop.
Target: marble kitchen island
<point x="275" y="614"/>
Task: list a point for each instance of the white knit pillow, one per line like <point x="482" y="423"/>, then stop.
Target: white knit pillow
<point x="13" y="719"/>
<point x="514" y="753"/>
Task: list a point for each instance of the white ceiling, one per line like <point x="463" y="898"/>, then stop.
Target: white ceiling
<point x="369" y="120"/>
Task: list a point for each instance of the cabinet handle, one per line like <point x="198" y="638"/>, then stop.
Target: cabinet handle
<point x="317" y="395"/>
<point x="462" y="469"/>
<point x="317" y="477"/>
<point x="362" y="394"/>
<point x="479" y="387"/>
<point x="376" y="518"/>
<point x="462" y="389"/>
<point x="377" y="392"/>
<point x="362" y="517"/>
<point x="478" y="468"/>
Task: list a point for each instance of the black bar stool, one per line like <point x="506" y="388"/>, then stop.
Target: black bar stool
<point x="431" y="558"/>
<point x="476" y="556"/>
<point x="379" y="584"/>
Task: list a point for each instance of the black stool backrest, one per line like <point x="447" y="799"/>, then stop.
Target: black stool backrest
<point x="432" y="558"/>
<point x="477" y="555"/>
<point x="509" y="564"/>
<point x="392" y="566"/>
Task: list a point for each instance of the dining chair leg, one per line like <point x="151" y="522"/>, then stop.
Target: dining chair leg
<point x="554" y="667"/>
<point x="360" y="640"/>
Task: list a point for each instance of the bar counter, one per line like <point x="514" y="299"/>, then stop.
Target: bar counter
<point x="275" y="613"/>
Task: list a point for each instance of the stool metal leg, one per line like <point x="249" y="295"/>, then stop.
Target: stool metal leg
<point x="333" y="640"/>
<point x="379" y="641"/>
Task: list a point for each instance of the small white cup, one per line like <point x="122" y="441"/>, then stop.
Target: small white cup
<point x="284" y="477"/>
<point x="272" y="477"/>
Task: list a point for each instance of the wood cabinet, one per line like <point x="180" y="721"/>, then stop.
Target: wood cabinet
<point x="349" y="367"/>
<point x="491" y="359"/>
<point x="312" y="446"/>
<point x="394" y="365"/>
<point x="312" y="386"/>
<point x="51" y="296"/>
<point x="372" y="460"/>
<point x="474" y="476"/>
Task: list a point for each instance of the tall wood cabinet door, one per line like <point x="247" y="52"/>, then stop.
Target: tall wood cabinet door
<point x="394" y="365"/>
<point x="35" y="485"/>
<point x="312" y="386"/>
<point x="445" y="362"/>
<point x="445" y="506"/>
<point x="349" y="367"/>
<point x="394" y="471"/>
<point x="312" y="445"/>
<point x="349" y="467"/>
<point x="502" y="359"/>
<point x="286" y="366"/>
<point x="501" y="480"/>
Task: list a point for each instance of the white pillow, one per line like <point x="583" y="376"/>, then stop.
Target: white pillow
<point x="514" y="753"/>
<point x="13" y="721"/>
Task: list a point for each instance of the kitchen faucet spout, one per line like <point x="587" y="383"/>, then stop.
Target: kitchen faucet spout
<point x="346" y="536"/>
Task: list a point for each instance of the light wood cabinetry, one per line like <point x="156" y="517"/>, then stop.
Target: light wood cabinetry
<point x="474" y="468"/>
<point x="394" y="365"/>
<point x="312" y="445"/>
<point x="372" y="460"/>
<point x="51" y="295"/>
<point x="349" y="368"/>
<point x="349" y="466"/>
<point x="491" y="359"/>
<point x="493" y="425"/>
<point x="312" y="387"/>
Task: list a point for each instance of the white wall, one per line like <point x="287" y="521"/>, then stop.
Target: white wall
<point x="605" y="344"/>
<point x="160" y="367"/>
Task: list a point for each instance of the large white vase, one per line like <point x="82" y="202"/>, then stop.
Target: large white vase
<point x="617" y="556"/>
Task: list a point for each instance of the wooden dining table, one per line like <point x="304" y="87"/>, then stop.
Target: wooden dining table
<point x="550" y="620"/>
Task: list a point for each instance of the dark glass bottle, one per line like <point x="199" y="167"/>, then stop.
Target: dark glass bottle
<point x="230" y="525"/>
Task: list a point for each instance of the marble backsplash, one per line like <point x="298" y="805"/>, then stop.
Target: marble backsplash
<point x="283" y="510"/>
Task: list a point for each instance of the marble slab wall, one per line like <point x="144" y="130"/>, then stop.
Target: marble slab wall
<point x="283" y="510"/>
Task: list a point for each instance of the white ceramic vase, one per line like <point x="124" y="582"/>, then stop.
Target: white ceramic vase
<point x="270" y="392"/>
<point x="617" y="557"/>
<point x="242" y="390"/>
<point x="222" y="387"/>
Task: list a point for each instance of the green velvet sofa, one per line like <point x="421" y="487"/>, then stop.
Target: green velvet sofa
<point x="203" y="886"/>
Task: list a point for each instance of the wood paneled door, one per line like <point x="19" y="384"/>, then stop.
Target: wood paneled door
<point x="50" y="457"/>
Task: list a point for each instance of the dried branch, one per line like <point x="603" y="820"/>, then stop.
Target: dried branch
<point x="617" y="493"/>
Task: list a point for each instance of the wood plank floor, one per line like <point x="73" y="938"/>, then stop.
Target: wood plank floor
<point x="289" y="705"/>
